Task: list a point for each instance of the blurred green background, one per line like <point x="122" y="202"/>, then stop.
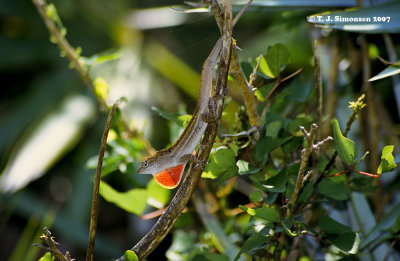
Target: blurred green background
<point x="51" y="123"/>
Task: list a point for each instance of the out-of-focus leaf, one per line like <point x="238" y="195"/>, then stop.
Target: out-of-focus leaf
<point x="269" y="214"/>
<point x="389" y="71"/>
<point x="182" y="245"/>
<point x="331" y="226"/>
<point x="387" y="222"/>
<point x="255" y="241"/>
<point x="134" y="200"/>
<point x="47" y="257"/>
<point x="276" y="59"/>
<point x="222" y="162"/>
<point x="266" y="145"/>
<point x="347" y="242"/>
<point x="387" y="160"/>
<point x="382" y="18"/>
<point x="278" y="182"/>
<point x="345" y="147"/>
<point x="331" y="189"/>
<point x="43" y="145"/>
<point x="157" y="195"/>
<point x="216" y="257"/>
<point x="273" y="129"/>
<point x="246" y="167"/>
<point x="181" y="120"/>
<point x="256" y="196"/>
<point x="129" y="255"/>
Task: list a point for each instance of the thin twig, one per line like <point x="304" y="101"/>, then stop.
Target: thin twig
<point x="49" y="240"/>
<point x="318" y="86"/>
<point x="280" y="81"/>
<point x="305" y="156"/>
<point x="95" y="198"/>
<point x="237" y="71"/>
<point x="64" y="45"/>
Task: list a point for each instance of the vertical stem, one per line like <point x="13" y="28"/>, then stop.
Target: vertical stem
<point x="95" y="197"/>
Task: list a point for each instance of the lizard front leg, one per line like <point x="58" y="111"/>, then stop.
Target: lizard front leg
<point x="193" y="159"/>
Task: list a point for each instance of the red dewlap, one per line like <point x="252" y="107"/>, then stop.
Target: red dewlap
<point x="171" y="177"/>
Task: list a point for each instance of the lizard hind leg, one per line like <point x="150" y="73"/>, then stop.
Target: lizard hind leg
<point x="170" y="178"/>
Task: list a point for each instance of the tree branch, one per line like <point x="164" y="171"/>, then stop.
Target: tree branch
<point x="164" y="224"/>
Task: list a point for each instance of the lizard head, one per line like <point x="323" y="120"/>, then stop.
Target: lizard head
<point x="149" y="165"/>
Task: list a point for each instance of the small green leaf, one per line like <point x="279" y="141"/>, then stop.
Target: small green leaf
<point x="276" y="59"/>
<point x="331" y="189"/>
<point x="331" y="226"/>
<point x="269" y="214"/>
<point x="345" y="147"/>
<point x="256" y="196"/>
<point x="278" y="182"/>
<point x="246" y="168"/>
<point x="387" y="160"/>
<point x="134" y="200"/>
<point x="129" y="255"/>
<point x="389" y="71"/>
<point x="47" y="257"/>
<point x="222" y="162"/>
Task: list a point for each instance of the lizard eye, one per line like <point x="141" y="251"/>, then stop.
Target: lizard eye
<point x="146" y="163"/>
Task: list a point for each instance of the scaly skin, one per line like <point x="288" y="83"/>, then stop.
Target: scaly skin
<point x="166" y="161"/>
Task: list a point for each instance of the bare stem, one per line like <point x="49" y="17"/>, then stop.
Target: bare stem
<point x="95" y="198"/>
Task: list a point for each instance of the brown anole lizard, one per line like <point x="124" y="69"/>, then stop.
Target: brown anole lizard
<point x="167" y="165"/>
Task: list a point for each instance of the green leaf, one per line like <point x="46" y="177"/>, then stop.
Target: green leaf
<point x="157" y="196"/>
<point x="306" y="193"/>
<point x="129" y="255"/>
<point x="254" y="242"/>
<point x="331" y="226"/>
<point x="386" y="223"/>
<point x="222" y="162"/>
<point x="276" y="59"/>
<point x="345" y="147"/>
<point x="331" y="189"/>
<point x="134" y="200"/>
<point x="389" y="71"/>
<point x="278" y="182"/>
<point x="387" y="160"/>
<point x="246" y="168"/>
<point x="273" y="129"/>
<point x="216" y="257"/>
<point x="266" y="145"/>
<point x="262" y="92"/>
<point x="347" y="242"/>
<point x="362" y="20"/>
<point x="182" y="244"/>
<point x="269" y="214"/>
<point x="256" y="196"/>
<point x="47" y="257"/>
<point x="177" y="118"/>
